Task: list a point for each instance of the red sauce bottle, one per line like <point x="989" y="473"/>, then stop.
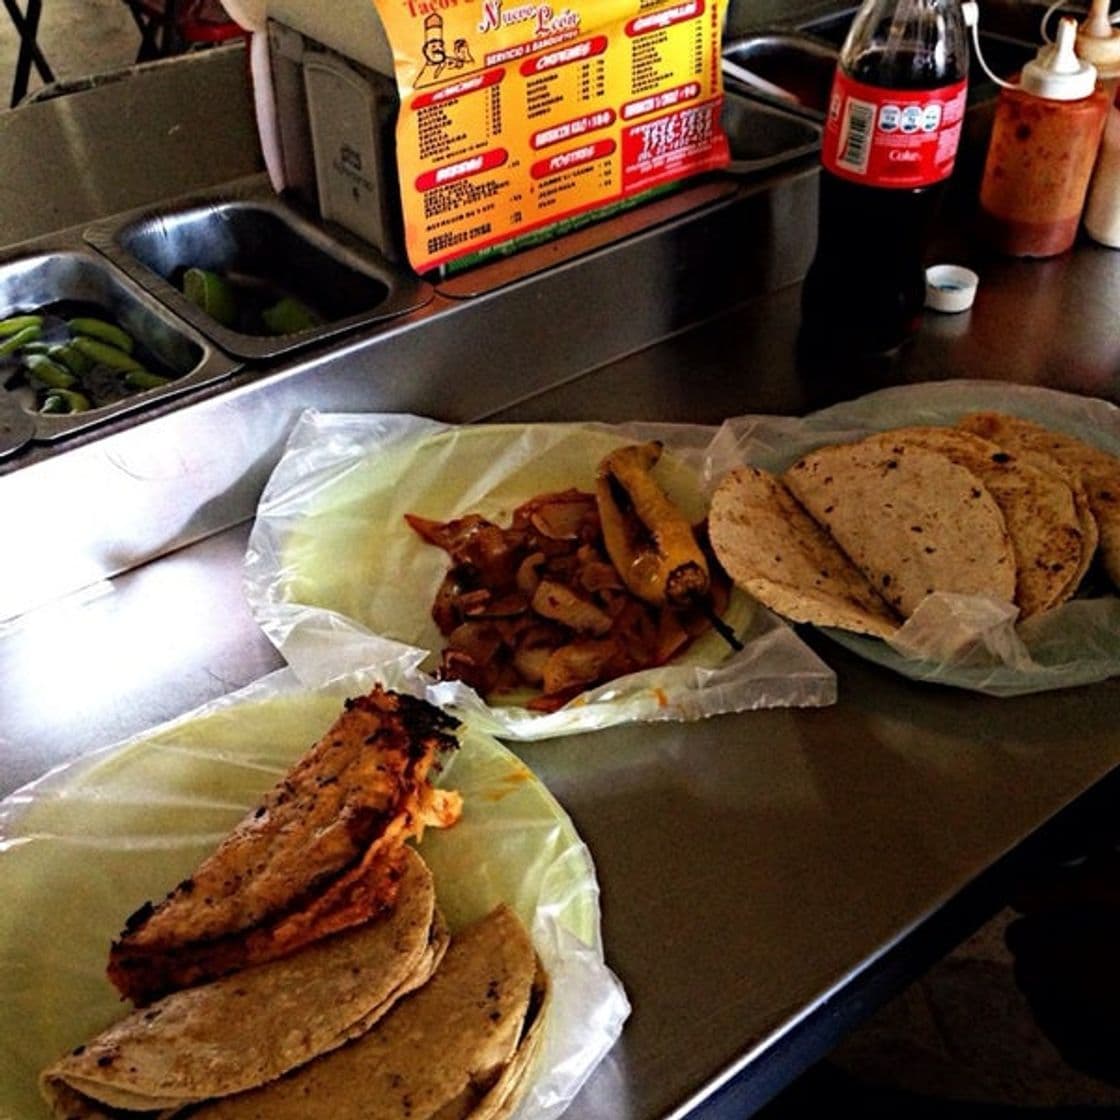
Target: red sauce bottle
<point x="1044" y="143"/>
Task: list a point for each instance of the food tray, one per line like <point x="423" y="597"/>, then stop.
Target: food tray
<point x="247" y="233"/>
<point x="62" y="270"/>
<point x="793" y="70"/>
<point x="762" y="136"/>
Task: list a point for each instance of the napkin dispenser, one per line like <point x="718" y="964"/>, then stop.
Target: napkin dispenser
<point x="335" y="100"/>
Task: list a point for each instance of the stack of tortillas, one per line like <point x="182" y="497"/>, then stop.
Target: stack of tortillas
<point x="393" y="1020"/>
<point x="856" y="535"/>
<point x="389" y="1016"/>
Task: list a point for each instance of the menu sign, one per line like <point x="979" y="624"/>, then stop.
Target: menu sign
<point x="517" y="117"/>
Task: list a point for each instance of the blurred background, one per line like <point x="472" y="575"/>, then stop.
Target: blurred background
<point x="77" y="37"/>
<point x="81" y="38"/>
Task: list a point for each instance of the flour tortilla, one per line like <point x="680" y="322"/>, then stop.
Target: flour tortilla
<point x="776" y="552"/>
<point x="1038" y="509"/>
<point x="912" y="521"/>
<point x="250" y="1028"/>
<point x="1098" y="471"/>
<point x="437" y="1055"/>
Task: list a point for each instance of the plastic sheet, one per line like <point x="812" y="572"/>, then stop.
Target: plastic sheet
<point x="83" y="847"/>
<point x="338" y="580"/>
<point x="966" y="641"/>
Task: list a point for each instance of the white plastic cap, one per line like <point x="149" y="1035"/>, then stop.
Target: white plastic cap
<point x="950" y="287"/>
<point x="1097" y="24"/>
<point x="1056" y="73"/>
<point x="1098" y="41"/>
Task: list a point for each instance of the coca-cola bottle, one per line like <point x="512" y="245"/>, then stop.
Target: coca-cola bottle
<point x="890" y="140"/>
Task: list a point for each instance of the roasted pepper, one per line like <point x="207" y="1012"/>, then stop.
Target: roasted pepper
<point x="16" y="323"/>
<point x="104" y="353"/>
<point x="44" y="373"/>
<point x="99" y="329"/>
<point x="64" y="401"/>
<point x="13" y="342"/>
<point x="648" y="539"/>
<point x="141" y="379"/>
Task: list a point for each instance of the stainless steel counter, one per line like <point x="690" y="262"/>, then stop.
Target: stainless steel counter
<point x="767" y="877"/>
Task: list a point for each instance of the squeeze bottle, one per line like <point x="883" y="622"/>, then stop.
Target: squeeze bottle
<point x="1098" y="42"/>
<point x="1045" y="138"/>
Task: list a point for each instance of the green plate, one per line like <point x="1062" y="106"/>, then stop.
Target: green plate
<point x="80" y="850"/>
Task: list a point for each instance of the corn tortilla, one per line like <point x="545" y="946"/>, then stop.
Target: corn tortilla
<point x="1038" y="510"/>
<point x="439" y="1049"/>
<point x="1098" y="471"/>
<point x="912" y="521"/>
<point x="250" y="1028"/>
<point x="774" y="551"/>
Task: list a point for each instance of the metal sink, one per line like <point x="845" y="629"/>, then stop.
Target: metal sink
<point x="762" y="136"/>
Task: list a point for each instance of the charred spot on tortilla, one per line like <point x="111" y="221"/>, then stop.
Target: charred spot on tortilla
<point x="323" y="851"/>
<point x="1094" y="474"/>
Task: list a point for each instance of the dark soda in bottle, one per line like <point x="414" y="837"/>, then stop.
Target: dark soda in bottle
<point x="890" y="141"/>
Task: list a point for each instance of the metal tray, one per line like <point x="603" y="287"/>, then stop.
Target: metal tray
<point x="269" y="250"/>
<point x="63" y="270"/>
<point x="788" y="69"/>
<point x="761" y="136"/>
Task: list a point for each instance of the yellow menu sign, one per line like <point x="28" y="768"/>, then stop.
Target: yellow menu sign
<point x="519" y="117"/>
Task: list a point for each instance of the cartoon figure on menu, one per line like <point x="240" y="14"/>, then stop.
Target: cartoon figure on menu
<point x="436" y="57"/>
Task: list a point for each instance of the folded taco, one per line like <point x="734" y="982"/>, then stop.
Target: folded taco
<point x="248" y="1029"/>
<point x="321" y="852"/>
<point x="461" y="1046"/>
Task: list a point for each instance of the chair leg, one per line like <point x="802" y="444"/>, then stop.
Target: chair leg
<point x="27" y="27"/>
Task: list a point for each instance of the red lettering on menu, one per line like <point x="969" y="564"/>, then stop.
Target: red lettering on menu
<point x="568" y="130"/>
<point x="658" y="21"/>
<point x="564" y="56"/>
<point x="473" y="84"/>
<point x="575" y="157"/>
<point x="461" y="169"/>
<point x="658" y="101"/>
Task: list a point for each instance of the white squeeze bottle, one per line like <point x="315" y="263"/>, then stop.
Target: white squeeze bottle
<point x="1099" y="42"/>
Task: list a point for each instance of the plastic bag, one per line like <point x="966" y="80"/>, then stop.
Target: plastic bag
<point x="83" y="847"/>
<point x="970" y="642"/>
<point x="337" y="579"/>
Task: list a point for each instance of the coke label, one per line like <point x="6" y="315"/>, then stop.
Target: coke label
<point x="892" y="137"/>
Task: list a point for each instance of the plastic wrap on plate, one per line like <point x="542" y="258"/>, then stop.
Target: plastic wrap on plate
<point x="338" y="580"/>
<point x="87" y="844"/>
<point x="971" y="642"/>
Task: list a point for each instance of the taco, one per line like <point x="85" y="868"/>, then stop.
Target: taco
<point x="1096" y="471"/>
<point x="461" y="1046"/>
<point x="1038" y="509"/>
<point x="776" y="552"/>
<point x="323" y="851"/>
<point x="246" y="1030"/>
